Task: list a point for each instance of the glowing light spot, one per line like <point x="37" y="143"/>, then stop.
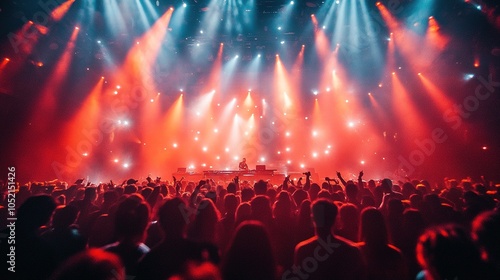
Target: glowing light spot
<point x="184" y="5"/>
<point x="125" y="165"/>
<point x="204" y="149"/>
<point x="289" y="162"/>
<point x="350" y="124"/>
<point x="196" y="139"/>
<point x="347" y="101"/>
<point x="115" y="92"/>
<point x="227" y="150"/>
<point x="314" y="154"/>
<point x="152" y="100"/>
<point x="287" y="149"/>
<point x="468" y="77"/>
<point x="85" y="154"/>
<point x="485" y="148"/>
<point x="174" y="145"/>
<point x="315" y="133"/>
<point x="216" y="130"/>
<point x="262" y="159"/>
<point x="115" y="160"/>
<point x="315" y="92"/>
<point x="362" y="162"/>
<point x="287" y="133"/>
<point x="302" y="165"/>
<point x="279" y="152"/>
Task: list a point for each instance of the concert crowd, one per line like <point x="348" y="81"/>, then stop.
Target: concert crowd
<point x="238" y="230"/>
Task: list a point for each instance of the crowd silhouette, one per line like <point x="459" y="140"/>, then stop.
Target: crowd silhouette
<point x="337" y="229"/>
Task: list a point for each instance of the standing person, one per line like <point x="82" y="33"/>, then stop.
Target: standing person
<point x="333" y="257"/>
<point x="250" y="255"/>
<point x="243" y="164"/>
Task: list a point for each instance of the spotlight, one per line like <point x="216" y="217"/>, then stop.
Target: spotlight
<point x="115" y="160"/>
<point x="362" y="162"/>
<point x="282" y="42"/>
<point x="77" y="28"/>
<point x="174" y="145"/>
<point x="184" y="5"/>
<point x="279" y="27"/>
<point x="315" y="92"/>
<point x="467" y="77"/>
<point x="291" y="2"/>
<point x="125" y="165"/>
<point x="98" y="41"/>
<point x="258" y="55"/>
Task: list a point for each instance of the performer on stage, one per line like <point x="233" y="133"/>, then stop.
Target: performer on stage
<point x="243" y="165"/>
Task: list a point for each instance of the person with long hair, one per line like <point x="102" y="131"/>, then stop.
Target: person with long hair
<point x="249" y="255"/>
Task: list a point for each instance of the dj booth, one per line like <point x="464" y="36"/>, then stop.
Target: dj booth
<point x="226" y="176"/>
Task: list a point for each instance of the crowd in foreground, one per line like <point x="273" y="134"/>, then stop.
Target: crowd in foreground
<point x="337" y="229"/>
